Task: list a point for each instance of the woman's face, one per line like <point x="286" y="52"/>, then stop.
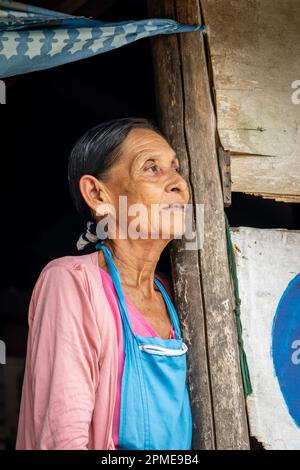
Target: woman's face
<point x="147" y="173"/>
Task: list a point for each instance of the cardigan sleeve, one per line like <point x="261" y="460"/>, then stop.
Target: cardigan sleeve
<point x="62" y="362"/>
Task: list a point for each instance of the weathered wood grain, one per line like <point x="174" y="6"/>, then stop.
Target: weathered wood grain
<point x="225" y="172"/>
<point x="255" y="52"/>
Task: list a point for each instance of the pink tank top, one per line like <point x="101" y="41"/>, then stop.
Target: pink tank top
<point x="140" y="326"/>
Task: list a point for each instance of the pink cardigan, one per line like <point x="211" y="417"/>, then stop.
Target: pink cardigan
<point x="70" y="379"/>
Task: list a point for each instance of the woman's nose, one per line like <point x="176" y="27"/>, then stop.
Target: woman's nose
<point x="178" y="184"/>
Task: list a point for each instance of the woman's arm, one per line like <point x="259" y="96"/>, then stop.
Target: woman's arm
<point x="61" y="373"/>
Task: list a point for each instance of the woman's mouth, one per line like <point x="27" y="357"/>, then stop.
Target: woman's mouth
<point x="175" y="206"/>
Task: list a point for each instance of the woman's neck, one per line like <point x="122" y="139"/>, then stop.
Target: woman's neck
<point x="136" y="261"/>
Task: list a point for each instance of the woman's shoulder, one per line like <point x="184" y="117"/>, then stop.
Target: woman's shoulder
<point x="67" y="273"/>
<point x="65" y="284"/>
<point x="70" y="262"/>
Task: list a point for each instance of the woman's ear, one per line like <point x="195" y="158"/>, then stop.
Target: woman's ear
<point x="93" y="192"/>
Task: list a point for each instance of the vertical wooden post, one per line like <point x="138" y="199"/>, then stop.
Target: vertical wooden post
<point x="201" y="278"/>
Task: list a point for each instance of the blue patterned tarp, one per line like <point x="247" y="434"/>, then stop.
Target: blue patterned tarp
<point x="33" y="38"/>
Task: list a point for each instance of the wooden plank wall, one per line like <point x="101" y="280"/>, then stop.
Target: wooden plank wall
<point x="255" y="53"/>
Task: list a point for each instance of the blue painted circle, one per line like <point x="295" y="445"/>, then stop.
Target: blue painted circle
<point x="286" y="347"/>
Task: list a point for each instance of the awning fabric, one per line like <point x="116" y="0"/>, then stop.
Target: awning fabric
<point x="34" y="38"/>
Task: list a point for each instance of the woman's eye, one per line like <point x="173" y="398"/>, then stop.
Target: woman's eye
<point x="153" y="168"/>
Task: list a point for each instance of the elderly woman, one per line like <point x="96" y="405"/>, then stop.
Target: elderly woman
<point x="106" y="362"/>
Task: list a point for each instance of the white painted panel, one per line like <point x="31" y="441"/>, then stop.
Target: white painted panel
<point x="267" y="260"/>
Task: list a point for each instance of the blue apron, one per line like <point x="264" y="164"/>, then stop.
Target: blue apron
<point x="155" y="408"/>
